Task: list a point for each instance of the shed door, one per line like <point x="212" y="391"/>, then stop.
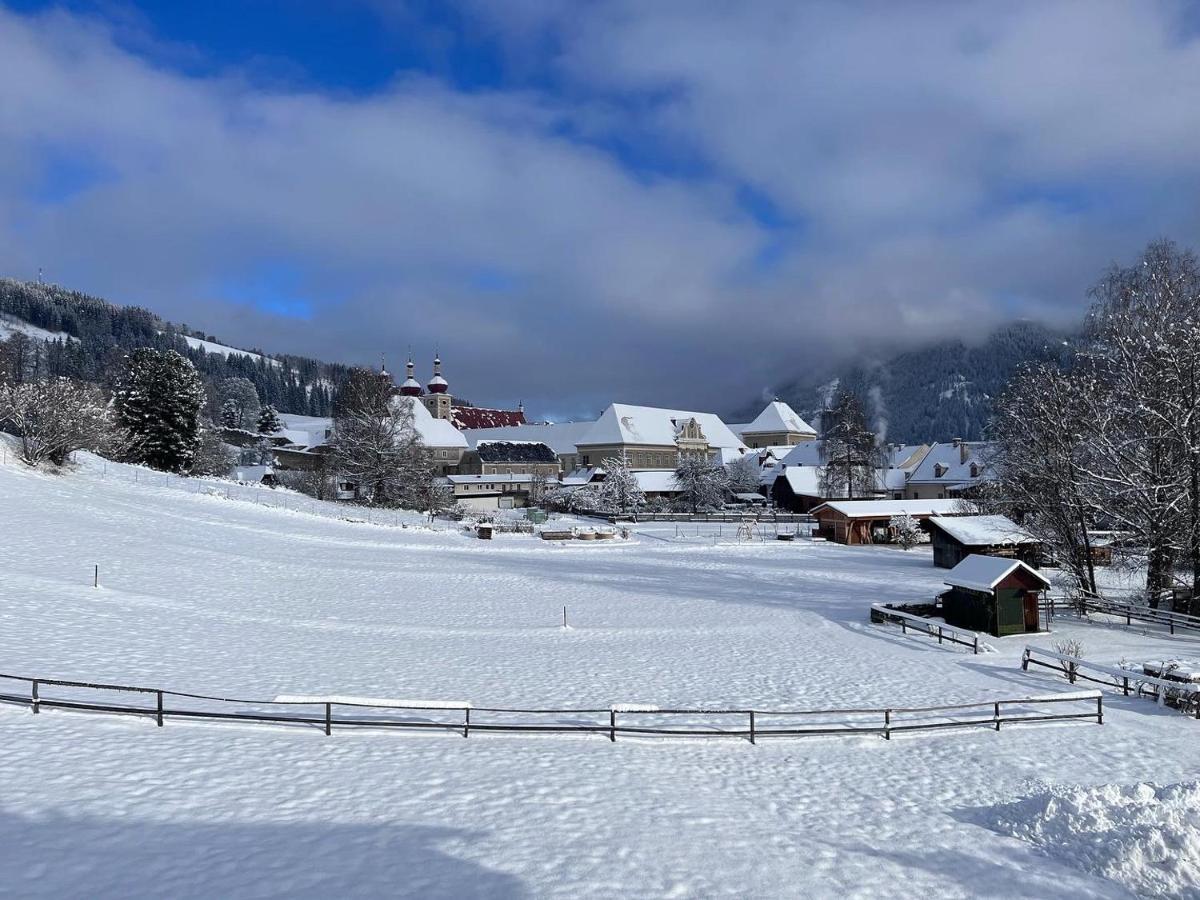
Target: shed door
<point x="1010" y="612"/>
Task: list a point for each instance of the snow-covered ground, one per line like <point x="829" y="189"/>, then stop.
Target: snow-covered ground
<point x="10" y="325"/>
<point x="214" y="595"/>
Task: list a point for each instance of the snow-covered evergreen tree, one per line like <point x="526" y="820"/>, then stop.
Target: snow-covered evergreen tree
<point x="158" y="401"/>
<point x="268" y="421"/>
<point x="231" y="414"/>
<point x="850" y="457"/>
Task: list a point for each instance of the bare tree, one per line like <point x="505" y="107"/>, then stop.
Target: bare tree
<point x="1045" y="444"/>
<point x="620" y="492"/>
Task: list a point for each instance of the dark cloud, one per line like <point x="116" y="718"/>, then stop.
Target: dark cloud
<point x="695" y="201"/>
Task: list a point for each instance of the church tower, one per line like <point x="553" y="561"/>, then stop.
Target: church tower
<point x="437" y="400"/>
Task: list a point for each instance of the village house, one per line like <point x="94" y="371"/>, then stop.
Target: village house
<point x="957" y="537"/>
<point x="559" y="437"/>
<point x="869" y="521"/>
<point x="647" y="437"/>
<point x="485" y="492"/>
<point x="778" y="425"/>
<point x="950" y="469"/>
<point x="497" y="457"/>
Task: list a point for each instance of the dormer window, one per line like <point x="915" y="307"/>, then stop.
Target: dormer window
<point x="974" y="470"/>
<point x="939" y="470"/>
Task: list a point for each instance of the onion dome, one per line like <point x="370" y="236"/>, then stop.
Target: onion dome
<point x="410" y="387"/>
<point x="437" y="384"/>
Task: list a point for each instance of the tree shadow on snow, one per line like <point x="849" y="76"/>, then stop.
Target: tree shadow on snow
<point x="67" y="856"/>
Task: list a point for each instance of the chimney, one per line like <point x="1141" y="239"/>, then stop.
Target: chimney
<point x="964" y="451"/>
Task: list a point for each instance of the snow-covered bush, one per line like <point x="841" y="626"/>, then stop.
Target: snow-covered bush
<point x="212" y="457"/>
<point x="52" y="418"/>
<point x="907" y="530"/>
<point x="702" y="485"/>
<point x="620" y="493"/>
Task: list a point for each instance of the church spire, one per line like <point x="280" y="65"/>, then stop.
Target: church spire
<point x="411" y="387"/>
<point x="437" y="384"/>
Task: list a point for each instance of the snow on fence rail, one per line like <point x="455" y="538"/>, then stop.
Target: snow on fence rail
<point x="1181" y="694"/>
<point x="1132" y="611"/>
<point x="943" y="632"/>
<point x="327" y="711"/>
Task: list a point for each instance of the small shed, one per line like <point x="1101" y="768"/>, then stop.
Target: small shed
<point x="994" y="594"/>
<point x="869" y="521"/>
<point x="955" y="538"/>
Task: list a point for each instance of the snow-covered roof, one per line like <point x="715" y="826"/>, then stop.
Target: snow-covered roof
<point x="655" y="427"/>
<point x="434" y="432"/>
<point x="983" y="573"/>
<point x="807" y="453"/>
<point x="805" y="481"/>
<point x="984" y="531"/>
<point x="305" y="431"/>
<point x="560" y="437"/>
<point x="777" y="416"/>
<point x="878" y="509"/>
<point x="657" y="481"/>
<point x="953" y="462"/>
<point x="581" y="477"/>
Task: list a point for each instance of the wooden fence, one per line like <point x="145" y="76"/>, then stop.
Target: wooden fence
<point x="944" y="633"/>
<point x="1129" y="682"/>
<point x="343" y="712"/>
<point x="760" y="516"/>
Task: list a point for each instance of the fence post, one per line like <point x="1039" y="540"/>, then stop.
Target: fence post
<point x="752" y="727"/>
<point x="33" y="702"/>
<point x="1099" y="709"/>
<point x="160" y="708"/>
<point x="939" y="628"/>
<point x="612" y="725"/>
<point x="997" y="714"/>
<point x="903" y="628"/>
<point x="977" y="643"/>
<point x="467" y="723"/>
<point x="329" y="718"/>
<point x="887" y="724"/>
<point x="1125" y="684"/>
<point x="1024" y="660"/>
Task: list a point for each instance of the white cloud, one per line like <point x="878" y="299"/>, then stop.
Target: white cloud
<point x="947" y="167"/>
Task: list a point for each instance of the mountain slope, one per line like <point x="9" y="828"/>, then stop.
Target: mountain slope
<point x="936" y="393"/>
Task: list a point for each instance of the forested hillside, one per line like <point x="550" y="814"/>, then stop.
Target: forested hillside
<point x="90" y="336"/>
<point x="936" y="393"/>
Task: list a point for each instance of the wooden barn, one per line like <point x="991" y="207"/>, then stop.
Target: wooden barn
<point x="869" y="521"/>
<point x="994" y="595"/>
<point x="954" y="538"/>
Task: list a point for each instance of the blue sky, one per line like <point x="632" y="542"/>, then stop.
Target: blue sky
<point x="681" y="203"/>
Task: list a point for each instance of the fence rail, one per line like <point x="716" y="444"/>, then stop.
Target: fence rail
<point x="1129" y="682"/>
<point x="762" y="517"/>
<point x="1130" y="612"/>
<point x="328" y="712"/>
<point x="944" y="633"/>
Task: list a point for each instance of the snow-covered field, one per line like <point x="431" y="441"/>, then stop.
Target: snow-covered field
<point x="207" y="594"/>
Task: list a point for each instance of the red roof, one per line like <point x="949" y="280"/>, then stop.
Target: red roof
<point x="477" y="417"/>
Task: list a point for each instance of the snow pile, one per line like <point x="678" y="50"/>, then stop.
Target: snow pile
<point x="1143" y="836"/>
